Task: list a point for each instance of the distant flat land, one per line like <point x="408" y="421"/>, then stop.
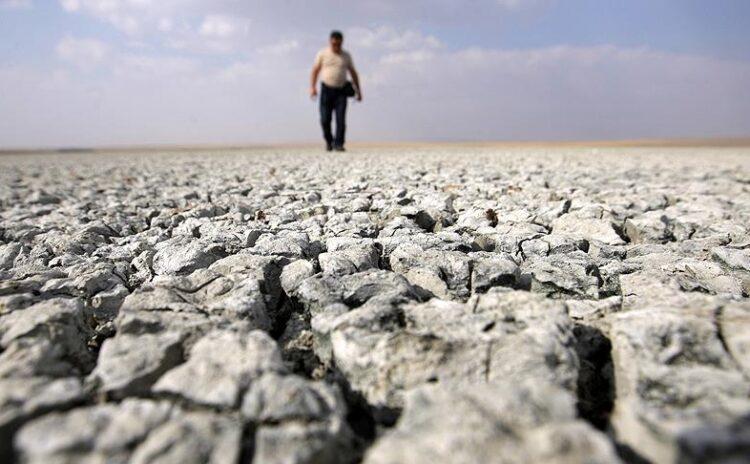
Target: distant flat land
<point x="698" y="142"/>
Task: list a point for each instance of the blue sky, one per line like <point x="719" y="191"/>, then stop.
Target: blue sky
<point x="124" y="72"/>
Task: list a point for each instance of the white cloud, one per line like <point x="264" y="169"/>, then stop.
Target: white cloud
<point x="168" y="69"/>
<point x="403" y="58"/>
<point x="15" y="4"/>
<point x="513" y="4"/>
<point x="239" y="70"/>
<point x="125" y="15"/>
<point x="220" y="19"/>
<point x="71" y="5"/>
<point x="84" y="53"/>
<point x="563" y="91"/>
<point x="219" y="27"/>
<point x="386" y="37"/>
<point x="165" y="25"/>
<point x="282" y="47"/>
<point x="222" y="34"/>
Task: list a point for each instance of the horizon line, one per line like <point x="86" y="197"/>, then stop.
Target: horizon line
<point x="605" y="143"/>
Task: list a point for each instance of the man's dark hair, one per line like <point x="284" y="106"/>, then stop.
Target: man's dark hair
<point x="337" y="35"/>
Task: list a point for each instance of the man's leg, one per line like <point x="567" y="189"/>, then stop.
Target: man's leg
<point x="326" y="115"/>
<point x="340" y="120"/>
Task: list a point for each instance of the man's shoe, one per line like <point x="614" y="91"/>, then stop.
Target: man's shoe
<point x="339" y="148"/>
<point x="329" y="147"/>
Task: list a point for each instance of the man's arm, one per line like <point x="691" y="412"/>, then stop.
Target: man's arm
<point x="314" y="80"/>
<point x="355" y="81"/>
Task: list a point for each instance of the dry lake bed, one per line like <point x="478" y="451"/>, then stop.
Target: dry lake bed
<point x="402" y="304"/>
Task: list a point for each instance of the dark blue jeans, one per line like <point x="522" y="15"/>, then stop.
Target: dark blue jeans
<point x="332" y="100"/>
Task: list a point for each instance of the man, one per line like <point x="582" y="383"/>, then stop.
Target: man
<point x="332" y="65"/>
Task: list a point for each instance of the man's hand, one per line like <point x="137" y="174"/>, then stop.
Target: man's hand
<point x="355" y="81"/>
<point x="314" y="81"/>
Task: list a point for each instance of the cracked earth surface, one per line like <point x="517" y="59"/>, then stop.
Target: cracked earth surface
<point x="391" y="305"/>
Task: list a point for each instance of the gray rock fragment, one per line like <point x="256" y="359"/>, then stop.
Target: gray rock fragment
<point x="46" y="339"/>
<point x="350" y="260"/>
<point x="716" y="444"/>
<point x="130" y="364"/>
<point x="22" y="399"/>
<point x="498" y="335"/>
<point x="369" y="288"/>
<point x="206" y="292"/>
<point x="192" y="437"/>
<point x="651" y="227"/>
<point x="183" y="255"/>
<point x="574" y="225"/>
<point x="564" y="275"/>
<point x="493" y="270"/>
<point x="445" y="274"/>
<point x="291" y="244"/>
<point x="8" y="254"/>
<point x="501" y="422"/>
<point x="102" y="433"/>
<point x="734" y="258"/>
<point x="734" y="329"/>
<point x="208" y="379"/>
<point x="672" y="375"/>
<point x="294" y="273"/>
<point x="298" y="421"/>
<point x="106" y="304"/>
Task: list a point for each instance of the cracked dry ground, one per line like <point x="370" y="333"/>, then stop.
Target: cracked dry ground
<point x="420" y="305"/>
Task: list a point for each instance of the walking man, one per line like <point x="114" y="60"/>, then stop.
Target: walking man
<point x="332" y="65"/>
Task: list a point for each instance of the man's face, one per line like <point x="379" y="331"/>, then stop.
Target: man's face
<point x="336" y="44"/>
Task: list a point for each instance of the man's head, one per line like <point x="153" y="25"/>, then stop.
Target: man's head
<point x="336" y="39"/>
